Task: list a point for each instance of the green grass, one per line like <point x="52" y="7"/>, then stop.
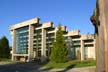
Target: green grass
<point x="72" y="64"/>
<point x="85" y="63"/>
<point x="57" y="65"/>
<point x="5" y="60"/>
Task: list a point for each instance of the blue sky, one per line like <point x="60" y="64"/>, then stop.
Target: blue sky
<point x="75" y="14"/>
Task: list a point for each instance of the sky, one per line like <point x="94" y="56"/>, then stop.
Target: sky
<point x="75" y="14"/>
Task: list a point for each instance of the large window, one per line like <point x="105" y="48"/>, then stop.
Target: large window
<point x="76" y="42"/>
<point x="22" y="40"/>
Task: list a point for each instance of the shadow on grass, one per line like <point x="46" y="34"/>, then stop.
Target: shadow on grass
<point x="64" y="69"/>
<point x="68" y="68"/>
<point x="47" y="69"/>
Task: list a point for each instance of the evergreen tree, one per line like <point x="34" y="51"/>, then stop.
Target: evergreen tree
<point x="4" y="48"/>
<point x="0" y="49"/>
<point x="59" y="50"/>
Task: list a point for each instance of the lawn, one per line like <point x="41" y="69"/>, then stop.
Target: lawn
<point x="71" y="64"/>
<point x="5" y="60"/>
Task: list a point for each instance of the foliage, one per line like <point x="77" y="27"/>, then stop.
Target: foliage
<point x="59" y="50"/>
<point x="4" y="48"/>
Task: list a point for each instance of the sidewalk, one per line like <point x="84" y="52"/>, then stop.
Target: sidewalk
<point x="83" y="69"/>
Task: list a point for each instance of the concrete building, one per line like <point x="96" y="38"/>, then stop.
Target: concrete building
<point x="31" y="40"/>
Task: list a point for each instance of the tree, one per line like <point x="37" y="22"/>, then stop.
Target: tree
<point x="0" y="49"/>
<point x="4" y="48"/>
<point x="59" y="50"/>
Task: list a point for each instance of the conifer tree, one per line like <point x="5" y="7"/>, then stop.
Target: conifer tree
<point x="59" y="50"/>
<point x="4" y="48"/>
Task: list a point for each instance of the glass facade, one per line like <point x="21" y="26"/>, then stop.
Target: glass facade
<point x="76" y="44"/>
<point x="22" y="40"/>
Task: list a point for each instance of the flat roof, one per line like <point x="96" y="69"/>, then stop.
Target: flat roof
<point x="25" y="23"/>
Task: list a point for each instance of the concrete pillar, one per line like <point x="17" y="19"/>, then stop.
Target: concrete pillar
<point x="13" y="33"/>
<point x="82" y="50"/>
<point x="30" y="43"/>
<point x="43" y="50"/>
<point x="94" y="48"/>
<point x="34" y="54"/>
<point x="55" y="34"/>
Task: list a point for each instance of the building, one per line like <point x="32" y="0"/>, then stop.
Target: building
<point x="31" y="40"/>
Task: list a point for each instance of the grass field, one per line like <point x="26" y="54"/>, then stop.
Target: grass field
<point x="5" y="60"/>
<point x="71" y="64"/>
